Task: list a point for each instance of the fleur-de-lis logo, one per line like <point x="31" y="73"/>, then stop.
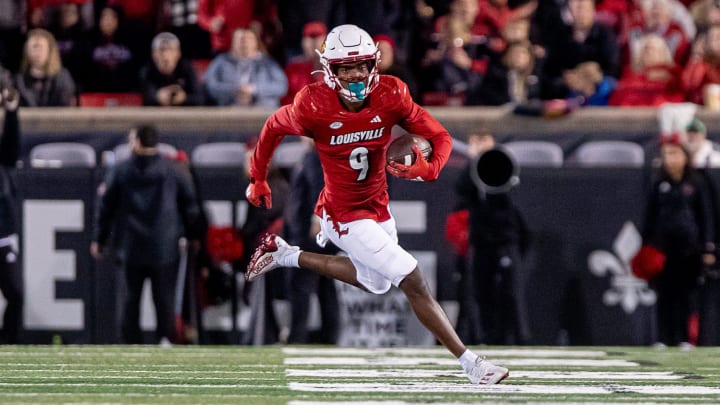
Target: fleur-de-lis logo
<point x="625" y="290"/>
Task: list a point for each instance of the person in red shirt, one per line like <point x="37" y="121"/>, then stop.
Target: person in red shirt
<point x="703" y="69"/>
<point x="658" y="20"/>
<point x="305" y="68"/>
<point x="222" y="17"/>
<point x="350" y="116"/>
<point x="654" y="78"/>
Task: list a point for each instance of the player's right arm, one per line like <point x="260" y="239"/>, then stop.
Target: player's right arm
<point x="285" y="121"/>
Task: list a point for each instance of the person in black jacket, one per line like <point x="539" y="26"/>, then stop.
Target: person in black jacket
<point x="301" y="226"/>
<point x="583" y="39"/>
<point x="678" y="222"/>
<point x="150" y="201"/>
<point x="498" y="237"/>
<point x="10" y="276"/>
<point x="169" y="80"/>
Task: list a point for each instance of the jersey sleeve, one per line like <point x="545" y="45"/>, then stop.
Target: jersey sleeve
<point x="416" y="120"/>
<point x="287" y="120"/>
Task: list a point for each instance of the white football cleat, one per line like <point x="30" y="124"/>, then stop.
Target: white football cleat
<point x="269" y="255"/>
<point x="486" y="373"/>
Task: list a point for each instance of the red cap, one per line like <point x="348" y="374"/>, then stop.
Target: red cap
<point x="386" y="38"/>
<point x="672" y="138"/>
<point x="314" y="29"/>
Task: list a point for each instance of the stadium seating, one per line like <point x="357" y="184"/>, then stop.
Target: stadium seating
<point x="62" y="154"/>
<point x="609" y="154"/>
<point x="219" y="154"/>
<point x="110" y="100"/>
<point x="535" y="153"/>
<point x="288" y="154"/>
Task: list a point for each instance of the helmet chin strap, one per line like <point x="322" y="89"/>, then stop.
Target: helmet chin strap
<point x="357" y="88"/>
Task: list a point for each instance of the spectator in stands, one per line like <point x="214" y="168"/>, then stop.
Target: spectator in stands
<point x="705" y="14"/>
<point x="221" y="18"/>
<point x="458" y="62"/>
<point x="294" y="15"/>
<point x="245" y="75"/>
<point x="389" y="65"/>
<point x="679" y="224"/>
<point x="514" y="79"/>
<point x="113" y="65"/>
<point x="498" y="237"/>
<point x="703" y="69"/>
<point x="305" y="68"/>
<point x="494" y="15"/>
<point x="141" y="19"/>
<point x="653" y="79"/>
<point x="583" y="40"/>
<point x="169" y="80"/>
<point x="704" y="152"/>
<point x="181" y="18"/>
<point x="13" y="19"/>
<point x="623" y="15"/>
<point x="71" y="36"/>
<point x="377" y="16"/>
<point x="10" y="275"/>
<point x="588" y="84"/>
<point x="301" y="227"/>
<point x="658" y="21"/>
<point x="150" y="201"/>
<point x="42" y="80"/>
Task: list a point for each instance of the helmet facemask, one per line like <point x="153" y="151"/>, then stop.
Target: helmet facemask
<point x="349" y="44"/>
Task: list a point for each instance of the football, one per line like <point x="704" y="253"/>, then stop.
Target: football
<point x="400" y="149"/>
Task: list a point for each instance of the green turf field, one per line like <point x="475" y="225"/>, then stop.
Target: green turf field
<point x="302" y="375"/>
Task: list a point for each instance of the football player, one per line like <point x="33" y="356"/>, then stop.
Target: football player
<point x="350" y="116"/>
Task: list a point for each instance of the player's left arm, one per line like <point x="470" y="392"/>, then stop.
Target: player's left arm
<point x="419" y="122"/>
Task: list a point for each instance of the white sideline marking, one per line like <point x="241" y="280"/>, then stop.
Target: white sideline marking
<point x="300" y="351"/>
<point x="137" y="385"/>
<point x="429" y="373"/>
<point x="414" y="361"/>
<point x="449" y="403"/>
<point x="426" y="387"/>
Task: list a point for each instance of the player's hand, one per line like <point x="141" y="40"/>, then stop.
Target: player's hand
<point x="419" y="170"/>
<point x="258" y="194"/>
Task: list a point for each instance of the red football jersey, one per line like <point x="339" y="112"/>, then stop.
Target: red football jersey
<point x="352" y="145"/>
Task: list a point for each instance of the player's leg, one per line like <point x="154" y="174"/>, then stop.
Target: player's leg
<point x="337" y="267"/>
<point x="274" y="252"/>
<point x="429" y="312"/>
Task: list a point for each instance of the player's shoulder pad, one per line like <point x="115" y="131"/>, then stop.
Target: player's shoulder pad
<point x="310" y="97"/>
<point x="393" y="92"/>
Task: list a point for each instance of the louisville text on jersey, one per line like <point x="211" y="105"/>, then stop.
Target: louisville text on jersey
<point x="359" y="136"/>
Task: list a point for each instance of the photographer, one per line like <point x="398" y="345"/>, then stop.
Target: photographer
<point x="498" y="237"/>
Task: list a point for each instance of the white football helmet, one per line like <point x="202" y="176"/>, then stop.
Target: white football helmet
<point x="347" y="44"/>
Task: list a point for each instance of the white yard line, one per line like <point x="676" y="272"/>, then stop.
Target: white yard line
<point x="449" y="361"/>
<point x="428" y="387"/>
<point x="452" y="403"/>
<point x="138" y="385"/>
<point x="306" y="351"/>
<point x="515" y="374"/>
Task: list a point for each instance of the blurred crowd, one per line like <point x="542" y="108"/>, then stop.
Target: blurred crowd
<point x="459" y="52"/>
